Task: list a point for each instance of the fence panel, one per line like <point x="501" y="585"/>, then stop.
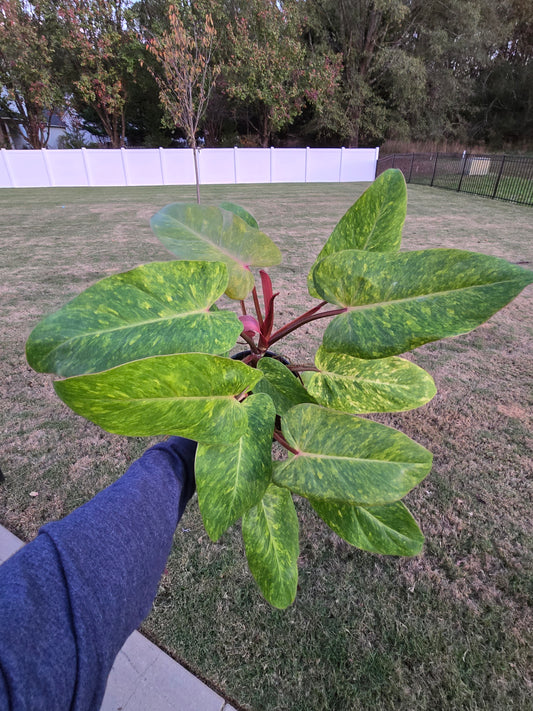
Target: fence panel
<point x="288" y="165"/>
<point x="105" y="167"/>
<point x="516" y="180"/>
<point x="217" y="166"/>
<point x="26" y="168"/>
<point x="496" y="176"/>
<point x="67" y="168"/>
<point x="252" y="165"/>
<point x="323" y="165"/>
<point x="448" y="170"/>
<point x="423" y="168"/>
<point x="175" y="166"/>
<point x="142" y="167"/>
<point x="358" y="165"/>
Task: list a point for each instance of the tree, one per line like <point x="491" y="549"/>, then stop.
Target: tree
<point x="366" y="33"/>
<point x="454" y="41"/>
<point x="410" y="67"/>
<point x="187" y="71"/>
<point x="269" y="68"/>
<point x="504" y="98"/>
<point x="27" y="75"/>
<point x="103" y="50"/>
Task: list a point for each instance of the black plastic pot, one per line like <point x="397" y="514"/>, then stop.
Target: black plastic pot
<point x="267" y="354"/>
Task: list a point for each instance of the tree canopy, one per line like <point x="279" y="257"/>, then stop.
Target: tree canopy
<point x="272" y="72"/>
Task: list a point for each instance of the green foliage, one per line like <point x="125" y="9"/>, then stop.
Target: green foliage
<point x="374" y="222"/>
<point x="269" y="69"/>
<point x="212" y="234"/>
<point x="239" y="473"/>
<point x="346" y="459"/>
<point x="101" y="51"/>
<point x="190" y="394"/>
<point x="142" y="355"/>
<point x="270" y="533"/>
<point x="31" y="91"/>
<point x="373" y="528"/>
<point x="157" y="309"/>
<point x="351" y="384"/>
<point x="396" y="302"/>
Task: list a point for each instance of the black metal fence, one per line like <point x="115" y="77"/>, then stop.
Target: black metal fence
<point x="496" y="176"/>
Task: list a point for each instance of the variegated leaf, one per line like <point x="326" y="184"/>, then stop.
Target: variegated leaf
<point x="193" y="231"/>
<point x="389" y="529"/>
<point x="281" y="384"/>
<point x="240" y="212"/>
<point x="270" y="533"/>
<point x="373" y="223"/>
<point x="361" y="386"/>
<point x="348" y="459"/>
<point x="190" y="394"/>
<point x="155" y="309"/>
<point x="396" y="302"/>
<point x="231" y="478"/>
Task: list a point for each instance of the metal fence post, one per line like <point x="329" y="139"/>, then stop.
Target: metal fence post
<point x="434" y="169"/>
<point x="411" y="168"/>
<point x="498" y="178"/>
<point x="462" y="172"/>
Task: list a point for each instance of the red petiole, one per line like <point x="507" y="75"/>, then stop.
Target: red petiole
<point x="281" y="439"/>
<point x="266" y="323"/>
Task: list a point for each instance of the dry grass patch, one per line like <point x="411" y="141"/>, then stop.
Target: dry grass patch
<point x="449" y="629"/>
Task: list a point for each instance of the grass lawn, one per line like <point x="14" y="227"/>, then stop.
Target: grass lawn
<point x="449" y="629"/>
<point x="512" y="188"/>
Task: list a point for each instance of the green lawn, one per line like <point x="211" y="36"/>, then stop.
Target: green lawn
<point x="450" y="629"/>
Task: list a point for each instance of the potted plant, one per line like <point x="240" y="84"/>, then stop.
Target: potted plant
<point x="146" y="352"/>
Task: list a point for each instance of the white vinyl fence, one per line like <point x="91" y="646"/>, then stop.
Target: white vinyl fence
<point x="175" y="166"/>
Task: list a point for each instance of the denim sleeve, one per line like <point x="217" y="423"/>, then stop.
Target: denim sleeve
<point x="70" y="598"/>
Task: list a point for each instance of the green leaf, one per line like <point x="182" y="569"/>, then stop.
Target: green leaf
<point x="208" y="233"/>
<point x="230" y="479"/>
<point x="373" y="223"/>
<point x="396" y="302"/>
<point x="281" y="384"/>
<point x="240" y="212"/>
<point x="270" y="533"/>
<point x="155" y="309"/>
<point x="390" y="529"/>
<point x="190" y="394"/>
<point x="348" y="459"/>
<point x="361" y="386"/>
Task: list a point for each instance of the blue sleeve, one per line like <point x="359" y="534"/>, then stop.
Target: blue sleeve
<point x="70" y="598"/>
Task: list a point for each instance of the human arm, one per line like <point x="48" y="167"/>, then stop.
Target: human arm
<point x="70" y="598"/>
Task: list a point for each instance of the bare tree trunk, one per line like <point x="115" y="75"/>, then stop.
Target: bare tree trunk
<point x="122" y="129"/>
<point x="196" y="174"/>
<point x="265" y="130"/>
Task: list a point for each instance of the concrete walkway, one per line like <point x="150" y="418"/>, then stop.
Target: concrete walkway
<point x="144" y="678"/>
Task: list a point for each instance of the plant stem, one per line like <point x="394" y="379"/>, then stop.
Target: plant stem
<point x="257" y="307"/>
<point x="303" y="319"/>
<point x="281" y="439"/>
<point x="243" y="308"/>
<point x="250" y="342"/>
<point x="299" y="368"/>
